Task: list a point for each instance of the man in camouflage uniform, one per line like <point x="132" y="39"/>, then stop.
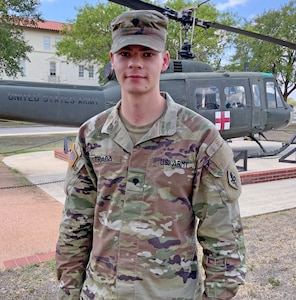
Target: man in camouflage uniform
<point x="148" y="178"/>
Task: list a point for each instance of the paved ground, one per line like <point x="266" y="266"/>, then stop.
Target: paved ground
<point x="48" y="172"/>
<point x="30" y="220"/>
<point x="35" y="130"/>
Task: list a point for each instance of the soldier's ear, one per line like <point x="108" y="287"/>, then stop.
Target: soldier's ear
<point x="166" y="61"/>
<point x="111" y="57"/>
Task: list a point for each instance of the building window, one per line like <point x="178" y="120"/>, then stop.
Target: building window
<point x="52" y="68"/>
<point x="91" y="72"/>
<point x="81" y="72"/>
<point x="56" y="41"/>
<point x="46" y="43"/>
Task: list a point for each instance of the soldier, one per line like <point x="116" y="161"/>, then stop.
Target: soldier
<point x="147" y="180"/>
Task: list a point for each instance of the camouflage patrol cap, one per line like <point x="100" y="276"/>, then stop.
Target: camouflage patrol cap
<point x="139" y="27"/>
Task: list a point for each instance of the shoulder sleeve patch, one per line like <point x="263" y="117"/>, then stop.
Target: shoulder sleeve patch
<point x="73" y="156"/>
<point x="233" y="180"/>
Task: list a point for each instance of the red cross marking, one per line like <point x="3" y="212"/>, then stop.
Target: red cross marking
<point x="222" y="120"/>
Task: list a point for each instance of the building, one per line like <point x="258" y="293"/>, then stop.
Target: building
<point x="45" y="65"/>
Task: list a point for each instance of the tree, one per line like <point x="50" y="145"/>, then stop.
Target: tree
<point x="88" y="39"/>
<point x="14" y="15"/>
<point x="267" y="57"/>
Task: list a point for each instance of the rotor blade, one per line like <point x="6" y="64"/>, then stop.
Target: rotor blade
<point x="140" y="5"/>
<point x="255" y="35"/>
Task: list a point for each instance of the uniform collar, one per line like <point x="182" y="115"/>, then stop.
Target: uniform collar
<point x="165" y="126"/>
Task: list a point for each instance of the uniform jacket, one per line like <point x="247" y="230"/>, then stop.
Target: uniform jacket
<point x="133" y="213"/>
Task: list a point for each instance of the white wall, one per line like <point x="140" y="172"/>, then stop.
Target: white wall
<point x="38" y="69"/>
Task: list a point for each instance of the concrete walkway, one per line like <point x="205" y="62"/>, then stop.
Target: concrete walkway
<point x="48" y="172"/>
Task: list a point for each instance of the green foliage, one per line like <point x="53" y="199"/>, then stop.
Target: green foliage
<point x="274" y="282"/>
<point x="291" y="101"/>
<point x="265" y="56"/>
<point x="88" y="40"/>
<point x="14" y="15"/>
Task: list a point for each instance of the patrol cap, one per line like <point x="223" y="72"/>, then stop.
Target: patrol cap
<point x="139" y="27"/>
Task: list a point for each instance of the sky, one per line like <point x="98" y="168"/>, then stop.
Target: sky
<point x="65" y="10"/>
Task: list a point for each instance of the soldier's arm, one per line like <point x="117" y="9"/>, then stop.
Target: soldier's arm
<point x="74" y="243"/>
<point x="220" y="230"/>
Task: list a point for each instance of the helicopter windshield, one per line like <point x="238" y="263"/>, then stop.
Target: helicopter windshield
<point x="274" y="98"/>
<point x="256" y="95"/>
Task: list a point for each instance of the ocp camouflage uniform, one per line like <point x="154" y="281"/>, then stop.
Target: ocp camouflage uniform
<point x="129" y="223"/>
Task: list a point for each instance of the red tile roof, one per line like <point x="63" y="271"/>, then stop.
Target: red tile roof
<point x="48" y="25"/>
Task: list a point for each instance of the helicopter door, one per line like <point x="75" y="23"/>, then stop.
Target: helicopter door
<point x="236" y="101"/>
<point x="258" y="115"/>
<point x="278" y="113"/>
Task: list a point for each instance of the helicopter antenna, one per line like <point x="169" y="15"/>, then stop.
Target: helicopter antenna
<point x="257" y="66"/>
<point x="218" y="64"/>
<point x="193" y="26"/>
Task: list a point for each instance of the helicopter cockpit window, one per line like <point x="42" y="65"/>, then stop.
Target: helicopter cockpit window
<point x="235" y="96"/>
<point x="274" y="98"/>
<point x="207" y="97"/>
<point x="256" y="95"/>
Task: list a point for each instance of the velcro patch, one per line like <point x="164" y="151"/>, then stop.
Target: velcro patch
<point x="232" y="180"/>
<point x="73" y="157"/>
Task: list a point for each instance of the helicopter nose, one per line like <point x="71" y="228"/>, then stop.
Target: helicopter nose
<point x="292" y="116"/>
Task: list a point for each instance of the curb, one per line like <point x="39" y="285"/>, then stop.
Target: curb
<point x="265" y="176"/>
<point x="29" y="260"/>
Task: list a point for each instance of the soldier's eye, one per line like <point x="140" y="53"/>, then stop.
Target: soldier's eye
<point x="124" y="53"/>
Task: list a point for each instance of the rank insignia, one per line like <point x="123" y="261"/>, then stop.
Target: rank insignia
<point x="73" y="156"/>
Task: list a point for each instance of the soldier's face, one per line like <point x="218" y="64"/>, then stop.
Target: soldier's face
<point x="138" y="68"/>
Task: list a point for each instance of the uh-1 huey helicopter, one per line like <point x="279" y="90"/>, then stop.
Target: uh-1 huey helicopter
<point x="238" y="103"/>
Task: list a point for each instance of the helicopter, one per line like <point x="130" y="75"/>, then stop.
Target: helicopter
<point x="238" y="103"/>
